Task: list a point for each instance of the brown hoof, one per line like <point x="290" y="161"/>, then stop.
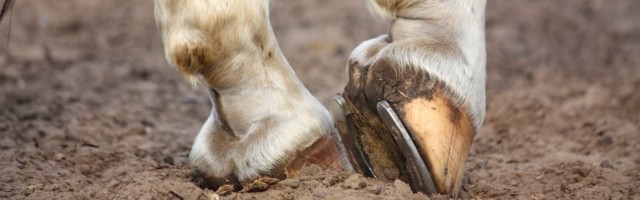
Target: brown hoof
<point x="432" y="152"/>
<point x="325" y="152"/>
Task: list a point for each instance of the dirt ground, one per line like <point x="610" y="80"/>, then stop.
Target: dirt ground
<point x="89" y="109"/>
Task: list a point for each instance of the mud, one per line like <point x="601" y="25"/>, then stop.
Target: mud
<point x="89" y="109"/>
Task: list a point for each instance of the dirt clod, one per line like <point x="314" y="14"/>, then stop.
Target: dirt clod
<point x="355" y="181"/>
<point x="258" y="185"/>
<point x="402" y="187"/>
<point x="225" y="189"/>
<point x="292" y="183"/>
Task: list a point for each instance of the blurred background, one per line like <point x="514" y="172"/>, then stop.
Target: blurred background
<point x="88" y="105"/>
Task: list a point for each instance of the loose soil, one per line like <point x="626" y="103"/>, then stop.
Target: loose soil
<point x="89" y="109"/>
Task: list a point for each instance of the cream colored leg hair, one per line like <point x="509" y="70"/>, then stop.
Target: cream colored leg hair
<point x="262" y="113"/>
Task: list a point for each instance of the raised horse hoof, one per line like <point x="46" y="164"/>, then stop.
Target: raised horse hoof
<point x="401" y="125"/>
